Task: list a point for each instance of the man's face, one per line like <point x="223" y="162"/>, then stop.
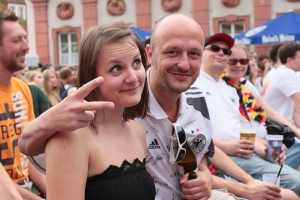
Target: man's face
<point x="295" y="62"/>
<point x="71" y="78"/>
<point x="216" y="60"/>
<point x="176" y="57"/>
<point x="14" y="46"/>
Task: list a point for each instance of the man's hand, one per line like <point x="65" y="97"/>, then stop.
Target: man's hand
<point x="199" y="188"/>
<point x="282" y="156"/>
<point x="257" y="191"/>
<point x="240" y="148"/>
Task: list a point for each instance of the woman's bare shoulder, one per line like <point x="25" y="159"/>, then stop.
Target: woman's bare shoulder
<point x="136" y="126"/>
<point x="78" y="137"/>
<point x="137" y="129"/>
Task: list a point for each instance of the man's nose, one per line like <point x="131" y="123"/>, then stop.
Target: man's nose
<point x="25" y="45"/>
<point x="184" y="62"/>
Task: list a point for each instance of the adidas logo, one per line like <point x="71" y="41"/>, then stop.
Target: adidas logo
<point x="154" y="145"/>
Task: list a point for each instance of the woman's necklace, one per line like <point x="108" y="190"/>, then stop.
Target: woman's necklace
<point x="254" y="111"/>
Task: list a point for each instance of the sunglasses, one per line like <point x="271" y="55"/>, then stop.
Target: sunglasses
<point x="177" y="152"/>
<point x="234" y="61"/>
<point x="216" y="48"/>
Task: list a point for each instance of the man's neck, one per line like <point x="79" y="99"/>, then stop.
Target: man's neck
<point x="214" y="74"/>
<point x="5" y="77"/>
<point x="277" y="64"/>
<point x="168" y="101"/>
<point x="289" y="66"/>
<point x="64" y="82"/>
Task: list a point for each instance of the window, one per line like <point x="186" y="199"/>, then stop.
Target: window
<point x="232" y="28"/>
<point x="68" y="48"/>
<point x="20" y="10"/>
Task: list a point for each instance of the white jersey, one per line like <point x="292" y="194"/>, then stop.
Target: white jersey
<point x="223" y="105"/>
<point x="193" y="116"/>
<point x="282" y="86"/>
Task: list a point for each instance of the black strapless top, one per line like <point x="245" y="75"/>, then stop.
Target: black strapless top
<point x="129" y="182"/>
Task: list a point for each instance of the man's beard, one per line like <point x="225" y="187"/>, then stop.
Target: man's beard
<point x="13" y="66"/>
<point x="175" y="88"/>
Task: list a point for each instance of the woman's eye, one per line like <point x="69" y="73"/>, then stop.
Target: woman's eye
<point x="115" y="69"/>
<point x="137" y="62"/>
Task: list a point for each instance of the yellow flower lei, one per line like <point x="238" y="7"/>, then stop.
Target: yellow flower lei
<point x="254" y="111"/>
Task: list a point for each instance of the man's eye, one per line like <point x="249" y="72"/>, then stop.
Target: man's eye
<point x="195" y="54"/>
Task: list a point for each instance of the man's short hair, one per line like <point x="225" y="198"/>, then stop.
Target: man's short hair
<point x="46" y="66"/>
<point x="273" y="52"/>
<point x="261" y="65"/>
<point x="262" y="57"/>
<point x="6" y="15"/>
<point x="288" y="50"/>
<point x="65" y="72"/>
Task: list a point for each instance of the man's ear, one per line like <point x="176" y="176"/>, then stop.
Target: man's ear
<point x="149" y="53"/>
<point x="288" y="59"/>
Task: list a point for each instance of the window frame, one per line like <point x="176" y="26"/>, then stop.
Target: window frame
<point x="70" y="43"/>
<point x="232" y="26"/>
<point x="16" y="9"/>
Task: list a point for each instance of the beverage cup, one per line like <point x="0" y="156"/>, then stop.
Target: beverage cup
<point x="274" y="143"/>
<point x="272" y="179"/>
<point x="247" y="133"/>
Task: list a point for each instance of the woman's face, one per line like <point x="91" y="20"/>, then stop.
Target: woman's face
<point x="237" y="64"/>
<point x="121" y="66"/>
<point x="253" y="66"/>
<point x="53" y="80"/>
<point x="38" y="79"/>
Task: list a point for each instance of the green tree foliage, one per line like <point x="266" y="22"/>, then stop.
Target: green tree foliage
<point x="3" y="3"/>
<point x="2" y="7"/>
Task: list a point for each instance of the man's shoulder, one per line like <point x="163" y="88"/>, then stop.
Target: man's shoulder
<point x="195" y="98"/>
<point x="283" y="70"/>
<point x="18" y="83"/>
<point x="193" y="92"/>
<point x="283" y="75"/>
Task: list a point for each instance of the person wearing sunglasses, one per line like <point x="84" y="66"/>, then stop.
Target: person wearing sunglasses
<point x="254" y="109"/>
<point x="224" y="108"/>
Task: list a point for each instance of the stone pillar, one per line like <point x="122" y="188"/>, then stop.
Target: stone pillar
<point x="143" y="14"/>
<point x="41" y="29"/>
<point x="90" y="17"/>
<point x="262" y="13"/>
<point x="201" y="14"/>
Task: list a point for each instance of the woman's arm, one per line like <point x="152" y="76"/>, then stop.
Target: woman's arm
<point x="67" y="160"/>
<point x="37" y="178"/>
<point x="272" y="114"/>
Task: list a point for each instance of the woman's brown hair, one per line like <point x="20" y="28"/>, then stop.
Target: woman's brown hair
<point x="90" y="48"/>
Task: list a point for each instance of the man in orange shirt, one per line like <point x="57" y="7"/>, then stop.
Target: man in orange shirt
<point x="16" y="108"/>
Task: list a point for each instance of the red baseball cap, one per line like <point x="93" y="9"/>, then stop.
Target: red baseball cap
<point x="220" y="36"/>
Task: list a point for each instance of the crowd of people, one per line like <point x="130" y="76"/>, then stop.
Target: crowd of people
<point x="103" y="130"/>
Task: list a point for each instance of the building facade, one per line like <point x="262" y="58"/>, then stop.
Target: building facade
<point x="55" y="27"/>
